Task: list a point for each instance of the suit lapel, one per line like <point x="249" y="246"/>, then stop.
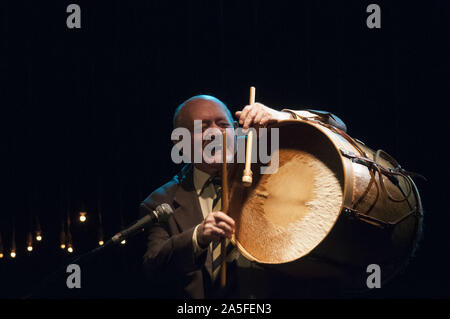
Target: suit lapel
<point x="189" y="213"/>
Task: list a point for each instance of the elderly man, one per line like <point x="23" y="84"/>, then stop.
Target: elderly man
<point x="181" y="259"/>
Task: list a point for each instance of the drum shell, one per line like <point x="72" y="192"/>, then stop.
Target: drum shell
<point x="352" y="243"/>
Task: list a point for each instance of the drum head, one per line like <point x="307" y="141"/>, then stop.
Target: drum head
<point x="285" y="215"/>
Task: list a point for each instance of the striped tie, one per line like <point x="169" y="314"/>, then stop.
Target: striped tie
<point x="218" y="188"/>
<point x="217" y="257"/>
<point x="217" y="246"/>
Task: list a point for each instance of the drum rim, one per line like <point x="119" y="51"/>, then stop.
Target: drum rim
<point x="347" y="174"/>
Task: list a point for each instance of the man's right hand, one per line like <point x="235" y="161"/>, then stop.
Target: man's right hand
<point x="215" y="226"/>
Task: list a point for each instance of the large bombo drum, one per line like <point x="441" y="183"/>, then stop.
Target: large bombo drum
<point x="333" y="207"/>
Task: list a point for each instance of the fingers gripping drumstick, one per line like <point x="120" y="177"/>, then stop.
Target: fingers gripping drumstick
<point x="247" y="178"/>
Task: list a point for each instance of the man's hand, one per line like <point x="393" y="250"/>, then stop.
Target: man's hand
<point x="215" y="226"/>
<point x="258" y="114"/>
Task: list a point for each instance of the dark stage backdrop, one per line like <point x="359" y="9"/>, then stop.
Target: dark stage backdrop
<point x="86" y="113"/>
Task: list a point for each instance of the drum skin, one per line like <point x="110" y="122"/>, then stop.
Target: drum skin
<point x="299" y="220"/>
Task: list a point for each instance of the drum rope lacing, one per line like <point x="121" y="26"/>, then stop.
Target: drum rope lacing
<point x="390" y="173"/>
<point x="373" y="164"/>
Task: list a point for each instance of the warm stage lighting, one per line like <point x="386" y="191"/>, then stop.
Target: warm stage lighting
<point x="123" y="242"/>
<point x="13" y="244"/>
<point x="1" y="247"/>
<point x="69" y="242"/>
<point x="83" y="217"/>
<point x="100" y="235"/>
<point x="38" y="230"/>
<point x="62" y="237"/>
<point x="30" y="242"/>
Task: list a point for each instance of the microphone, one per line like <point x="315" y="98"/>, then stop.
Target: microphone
<point x="160" y="214"/>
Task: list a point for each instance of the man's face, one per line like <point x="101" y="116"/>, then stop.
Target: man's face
<point x="214" y="117"/>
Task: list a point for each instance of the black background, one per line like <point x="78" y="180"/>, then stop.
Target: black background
<point x="86" y="113"/>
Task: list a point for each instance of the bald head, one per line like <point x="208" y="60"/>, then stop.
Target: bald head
<point x="200" y="107"/>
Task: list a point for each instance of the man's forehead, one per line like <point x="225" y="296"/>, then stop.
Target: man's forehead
<point x="200" y="107"/>
<point x="203" y="104"/>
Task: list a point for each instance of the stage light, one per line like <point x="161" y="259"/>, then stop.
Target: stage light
<point x="30" y="242"/>
<point x="38" y="230"/>
<point x="100" y="236"/>
<point x="83" y="217"/>
<point x="1" y="246"/>
<point x="123" y="242"/>
<point x="70" y="247"/>
<point x="62" y="237"/>
<point x="13" y="243"/>
<point x="69" y="241"/>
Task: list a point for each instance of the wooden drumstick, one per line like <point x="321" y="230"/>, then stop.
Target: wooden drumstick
<point x="223" y="248"/>
<point x="247" y="178"/>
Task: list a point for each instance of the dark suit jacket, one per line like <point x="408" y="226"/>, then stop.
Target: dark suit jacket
<point x="169" y="262"/>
